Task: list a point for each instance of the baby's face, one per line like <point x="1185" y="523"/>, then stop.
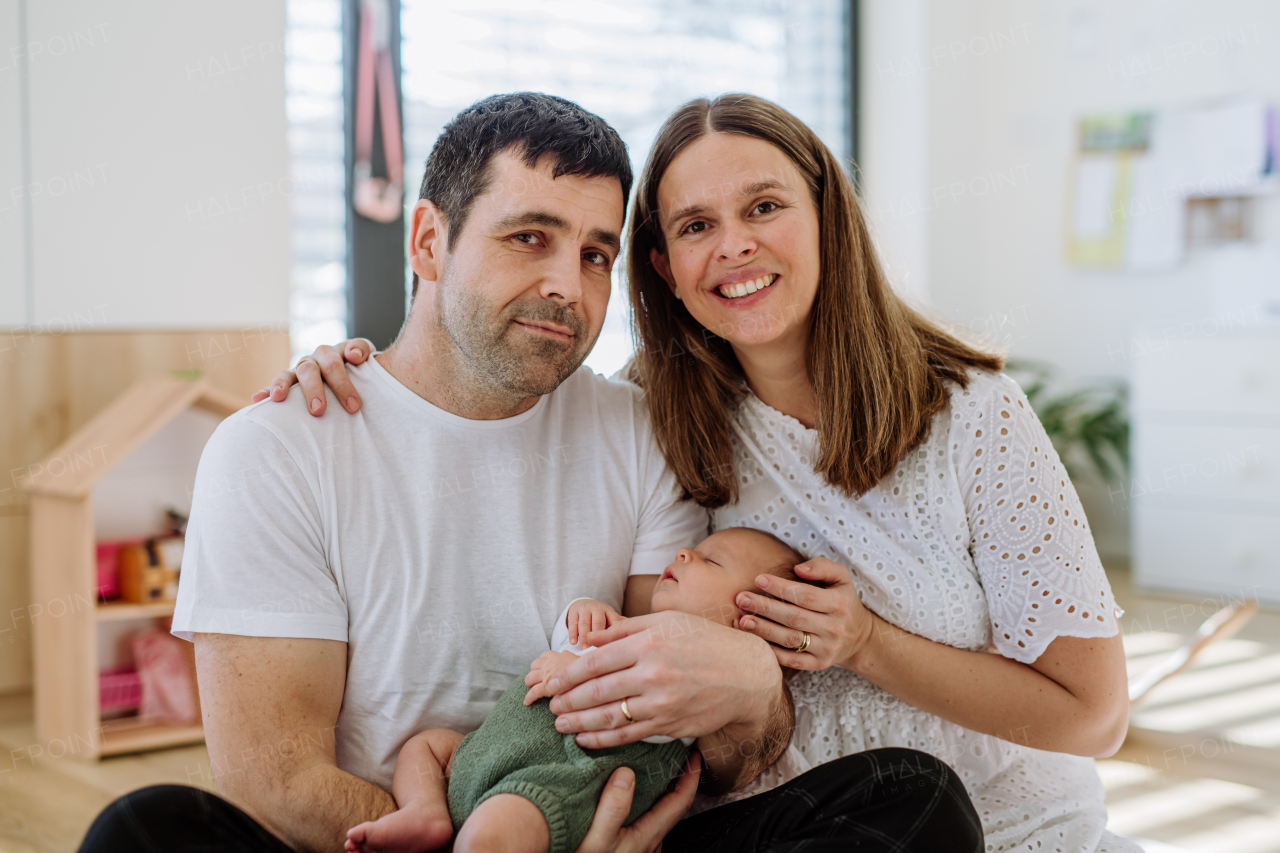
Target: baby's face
<point x="704" y="581"/>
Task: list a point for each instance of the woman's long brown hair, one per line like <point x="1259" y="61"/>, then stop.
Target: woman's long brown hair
<point x="880" y="370"/>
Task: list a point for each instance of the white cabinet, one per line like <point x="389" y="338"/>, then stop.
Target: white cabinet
<point x="1205" y="490"/>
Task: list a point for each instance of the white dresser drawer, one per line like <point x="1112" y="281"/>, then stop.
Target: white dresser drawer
<point x="1207" y="553"/>
<point x="1234" y="463"/>
<point x="1240" y="375"/>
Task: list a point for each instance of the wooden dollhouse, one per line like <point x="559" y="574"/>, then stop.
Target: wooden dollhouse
<point x="114" y="479"/>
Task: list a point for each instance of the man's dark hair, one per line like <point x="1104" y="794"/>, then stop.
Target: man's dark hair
<point x="459" y="169"/>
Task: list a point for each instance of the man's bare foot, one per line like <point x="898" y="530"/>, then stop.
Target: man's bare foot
<point x="412" y="829"/>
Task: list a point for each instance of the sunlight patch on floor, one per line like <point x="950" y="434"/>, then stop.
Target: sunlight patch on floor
<point x="1200" y="772"/>
<point x="1139" y="814"/>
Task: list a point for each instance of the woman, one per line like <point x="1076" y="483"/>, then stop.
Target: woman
<point x="793" y="391"/>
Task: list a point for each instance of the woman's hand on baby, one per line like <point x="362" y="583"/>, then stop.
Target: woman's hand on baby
<point x="326" y="366"/>
<point x="547" y="665"/>
<point x="838" y="625"/>
<point x="587" y="615"/>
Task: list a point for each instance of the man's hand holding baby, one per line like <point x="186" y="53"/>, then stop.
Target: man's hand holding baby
<point x="670" y="666"/>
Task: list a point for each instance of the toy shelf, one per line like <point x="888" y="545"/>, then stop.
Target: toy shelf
<point x="134" y="734"/>
<point x="111" y="480"/>
<point x="120" y="611"/>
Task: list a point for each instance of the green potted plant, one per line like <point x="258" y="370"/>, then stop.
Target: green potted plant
<point x="1089" y="425"/>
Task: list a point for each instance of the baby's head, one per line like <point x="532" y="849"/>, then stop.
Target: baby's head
<point x="705" y="581"/>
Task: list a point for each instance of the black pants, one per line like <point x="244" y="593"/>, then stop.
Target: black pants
<point x="895" y="800"/>
<point x="892" y="799"/>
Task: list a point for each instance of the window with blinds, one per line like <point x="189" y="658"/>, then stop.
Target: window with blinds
<point x="630" y="61"/>
<point x="313" y="104"/>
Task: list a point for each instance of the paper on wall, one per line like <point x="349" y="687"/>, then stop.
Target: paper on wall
<point x="1130" y="201"/>
<point x="1215" y="151"/>
<point x="1098" y="222"/>
<point x="1155" y="218"/>
<point x="1095" y="194"/>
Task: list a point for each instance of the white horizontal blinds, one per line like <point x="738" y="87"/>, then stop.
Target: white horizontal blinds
<point x="313" y="102"/>
<point x="631" y="61"/>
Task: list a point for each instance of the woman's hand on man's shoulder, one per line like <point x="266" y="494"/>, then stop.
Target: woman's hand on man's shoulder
<point x="326" y="366"/>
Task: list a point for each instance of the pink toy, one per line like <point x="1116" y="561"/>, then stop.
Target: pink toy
<point x="168" y="694"/>
<point x="119" y="689"/>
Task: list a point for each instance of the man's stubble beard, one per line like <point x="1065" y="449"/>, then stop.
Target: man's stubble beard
<point x="487" y="344"/>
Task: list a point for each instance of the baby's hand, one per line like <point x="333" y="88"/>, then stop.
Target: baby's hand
<point x="540" y="672"/>
<point x="587" y="615"/>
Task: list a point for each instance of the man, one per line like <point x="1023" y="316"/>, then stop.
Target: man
<point x="353" y="579"/>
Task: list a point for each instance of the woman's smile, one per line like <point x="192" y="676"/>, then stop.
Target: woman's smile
<point x="737" y="287"/>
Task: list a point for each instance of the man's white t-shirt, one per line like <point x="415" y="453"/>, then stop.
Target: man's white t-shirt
<point x="440" y="549"/>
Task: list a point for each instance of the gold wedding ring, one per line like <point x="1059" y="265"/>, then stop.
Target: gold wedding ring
<point x="804" y="644"/>
<point x="626" y="713"/>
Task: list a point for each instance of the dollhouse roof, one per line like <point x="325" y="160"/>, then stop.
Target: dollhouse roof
<point x="120" y="429"/>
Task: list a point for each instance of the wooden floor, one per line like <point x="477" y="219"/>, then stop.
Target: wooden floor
<point x="48" y="802"/>
<point x="1200" y="771"/>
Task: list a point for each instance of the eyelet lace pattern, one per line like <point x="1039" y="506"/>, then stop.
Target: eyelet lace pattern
<point x="976" y="540"/>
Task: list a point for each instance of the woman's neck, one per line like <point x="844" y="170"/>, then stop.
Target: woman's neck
<point x="778" y="374"/>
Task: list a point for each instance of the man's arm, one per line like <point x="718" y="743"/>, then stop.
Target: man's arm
<point x="270" y="708"/>
<point x="736" y="754"/>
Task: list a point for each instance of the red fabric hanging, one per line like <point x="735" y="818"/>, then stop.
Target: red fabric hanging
<point x="377" y="198"/>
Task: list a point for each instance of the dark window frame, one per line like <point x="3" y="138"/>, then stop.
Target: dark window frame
<point x="375" y="250"/>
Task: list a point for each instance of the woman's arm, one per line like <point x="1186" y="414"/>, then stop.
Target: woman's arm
<point x="638" y="599"/>
<point x="1059" y="681"/>
<point x="1072" y="698"/>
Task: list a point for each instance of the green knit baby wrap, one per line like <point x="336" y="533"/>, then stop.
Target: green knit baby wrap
<point x="517" y="750"/>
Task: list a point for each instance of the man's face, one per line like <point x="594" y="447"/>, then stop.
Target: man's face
<point x="523" y="292"/>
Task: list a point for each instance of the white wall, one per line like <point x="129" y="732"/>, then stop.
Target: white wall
<point x="12" y="233"/>
<point x="1013" y="110"/>
<point x="159" y="171"/>
<point x="1004" y="83"/>
<point x="894" y="138"/>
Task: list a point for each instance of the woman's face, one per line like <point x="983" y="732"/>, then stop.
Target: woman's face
<point x="741" y="233"/>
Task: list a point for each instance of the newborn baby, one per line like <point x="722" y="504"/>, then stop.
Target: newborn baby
<point x="517" y="784"/>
